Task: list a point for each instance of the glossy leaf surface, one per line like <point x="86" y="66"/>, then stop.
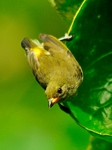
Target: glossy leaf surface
<point x="92" y="47"/>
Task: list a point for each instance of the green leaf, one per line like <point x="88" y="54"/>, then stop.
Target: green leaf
<point x="92" y="47"/>
<point x="99" y="144"/>
<point x="66" y="8"/>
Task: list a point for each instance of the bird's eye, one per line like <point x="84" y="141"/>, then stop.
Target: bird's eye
<point x="59" y="91"/>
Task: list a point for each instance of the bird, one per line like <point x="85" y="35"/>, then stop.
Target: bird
<point x="54" y="66"/>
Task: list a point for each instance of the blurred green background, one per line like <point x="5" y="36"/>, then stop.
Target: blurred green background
<point x="26" y="123"/>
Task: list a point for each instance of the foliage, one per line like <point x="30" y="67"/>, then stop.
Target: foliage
<point x="92" y="47"/>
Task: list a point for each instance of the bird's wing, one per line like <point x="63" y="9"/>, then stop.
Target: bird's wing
<point x="50" y="42"/>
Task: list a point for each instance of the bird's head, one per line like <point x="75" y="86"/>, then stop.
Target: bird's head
<point x="56" y="91"/>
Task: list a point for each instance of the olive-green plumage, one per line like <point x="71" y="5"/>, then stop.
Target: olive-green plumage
<point x="54" y="67"/>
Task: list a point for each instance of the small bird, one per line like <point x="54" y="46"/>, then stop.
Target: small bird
<point x="54" y="67"/>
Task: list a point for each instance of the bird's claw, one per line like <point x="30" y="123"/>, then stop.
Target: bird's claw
<point x="66" y="37"/>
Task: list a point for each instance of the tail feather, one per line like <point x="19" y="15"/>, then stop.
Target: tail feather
<point x="28" y="44"/>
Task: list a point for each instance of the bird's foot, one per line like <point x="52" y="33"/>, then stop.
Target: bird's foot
<point x="66" y="37"/>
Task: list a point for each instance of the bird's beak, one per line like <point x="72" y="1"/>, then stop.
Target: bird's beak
<point x="52" y="101"/>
